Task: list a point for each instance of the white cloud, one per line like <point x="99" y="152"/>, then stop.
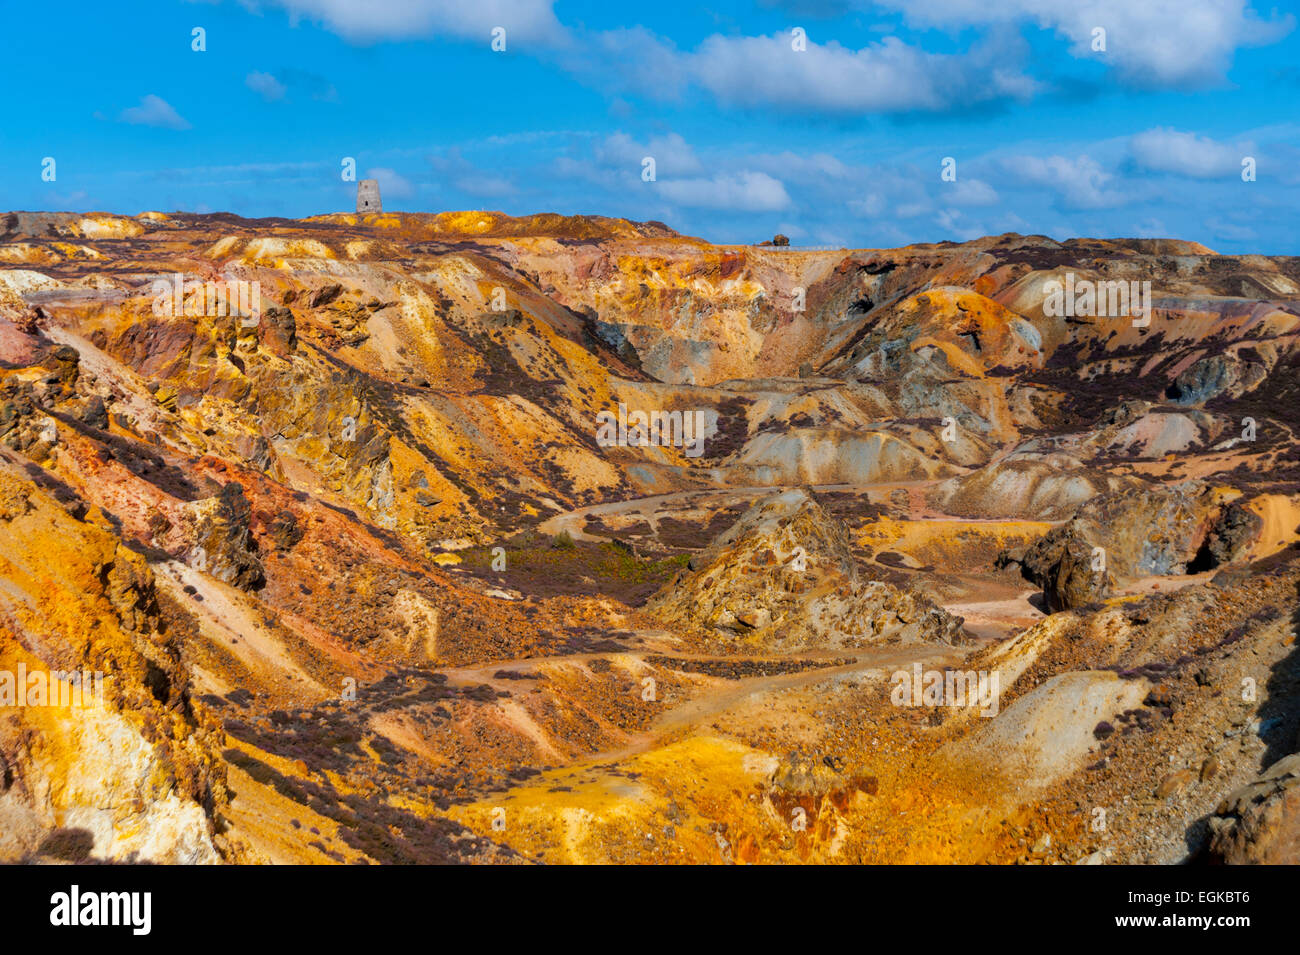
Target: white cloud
<point x="266" y="86"/>
<point x="1150" y="43"/>
<point x="871" y="205"/>
<point x="910" y="210"/>
<point x="1186" y="154"/>
<point x="814" y="168"/>
<point x="1164" y="43"/>
<point x="153" y="111"/>
<point x="747" y="190"/>
<point x="969" y="192"/>
<point x="392" y="184"/>
<point x="529" y="21"/>
<point x="673" y="156"/>
<point x="884" y="191"/>
<point x="951" y="222"/>
<point x="631" y="59"/>
<point x="887" y="77"/>
<point x="1080" y="182"/>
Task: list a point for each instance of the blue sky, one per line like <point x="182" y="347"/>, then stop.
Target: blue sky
<point x="841" y="142"/>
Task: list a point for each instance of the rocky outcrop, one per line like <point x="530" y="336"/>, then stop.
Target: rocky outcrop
<point x="1234" y="531"/>
<point x="1214" y="376"/>
<point x="224" y="544"/>
<point x="105" y="756"/>
<point x="1137" y="534"/>
<point x="1025" y="485"/>
<point x="1259" y="824"/>
<point x="1070" y="570"/>
<point x="783" y="578"/>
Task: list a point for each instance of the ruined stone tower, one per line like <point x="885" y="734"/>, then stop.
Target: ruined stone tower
<point x="368" y="196"/>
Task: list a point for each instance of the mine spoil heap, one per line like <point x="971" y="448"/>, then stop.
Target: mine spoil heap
<point x="363" y="585"/>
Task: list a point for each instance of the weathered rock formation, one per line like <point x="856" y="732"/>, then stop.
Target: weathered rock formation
<point x="783" y="578"/>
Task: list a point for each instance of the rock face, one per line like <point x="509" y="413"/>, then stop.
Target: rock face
<point x="1214" y="376"/>
<point x="1137" y="533"/>
<point x="1259" y="824"/>
<point x="129" y="774"/>
<point x="1233" y="532"/>
<point x="1070" y="572"/>
<point x="226" y="548"/>
<point x="782" y="578"/>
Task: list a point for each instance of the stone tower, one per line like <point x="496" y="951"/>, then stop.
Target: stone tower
<point x="368" y="196"/>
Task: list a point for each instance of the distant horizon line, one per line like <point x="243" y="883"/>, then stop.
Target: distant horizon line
<point x="643" y="222"/>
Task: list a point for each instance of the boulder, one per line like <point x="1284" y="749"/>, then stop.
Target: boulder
<point x="1259" y="824"/>
<point x="1234" y="531"/>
